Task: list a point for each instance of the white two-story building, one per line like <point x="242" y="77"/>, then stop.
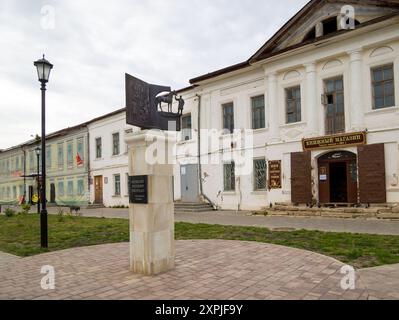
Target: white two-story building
<point x="321" y="97"/>
<point x="109" y="160"/>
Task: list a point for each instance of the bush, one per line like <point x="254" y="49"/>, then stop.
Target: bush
<point x="9" y="212"/>
<point x="25" y="208"/>
<point x="60" y="215"/>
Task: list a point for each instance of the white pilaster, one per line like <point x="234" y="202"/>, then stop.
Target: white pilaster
<point x="311" y="106"/>
<point x="356" y="92"/>
<point x="273" y="106"/>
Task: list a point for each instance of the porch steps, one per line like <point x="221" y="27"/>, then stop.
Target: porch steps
<point x="192" y="207"/>
<point x="373" y="212"/>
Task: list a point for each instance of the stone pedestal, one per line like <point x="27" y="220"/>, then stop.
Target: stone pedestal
<point x="152" y="249"/>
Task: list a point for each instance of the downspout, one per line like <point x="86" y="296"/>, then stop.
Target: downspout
<point x="88" y="165"/>
<point x="199" y="156"/>
<point x="24" y="151"/>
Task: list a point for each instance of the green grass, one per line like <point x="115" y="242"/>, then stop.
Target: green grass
<point x="20" y="235"/>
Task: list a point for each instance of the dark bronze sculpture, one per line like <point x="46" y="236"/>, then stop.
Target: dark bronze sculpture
<point x="150" y="106"/>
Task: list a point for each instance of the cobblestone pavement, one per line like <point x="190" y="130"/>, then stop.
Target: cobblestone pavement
<point x="382" y="282"/>
<point x="211" y="269"/>
<point x="6" y="259"/>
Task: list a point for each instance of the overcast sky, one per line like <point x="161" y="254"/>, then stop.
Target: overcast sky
<point x="93" y="43"/>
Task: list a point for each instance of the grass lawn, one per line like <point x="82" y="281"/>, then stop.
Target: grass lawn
<point x="19" y="235"/>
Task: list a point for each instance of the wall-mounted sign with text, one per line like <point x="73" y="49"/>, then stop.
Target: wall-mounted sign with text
<point x="335" y="141"/>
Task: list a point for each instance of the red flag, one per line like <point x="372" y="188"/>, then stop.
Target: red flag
<point x="79" y="160"/>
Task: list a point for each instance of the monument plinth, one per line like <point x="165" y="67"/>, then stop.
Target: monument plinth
<point x="151" y="210"/>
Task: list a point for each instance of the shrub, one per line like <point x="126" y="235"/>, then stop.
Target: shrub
<point x="9" y="212"/>
<point x="25" y="208"/>
<point x="60" y="215"/>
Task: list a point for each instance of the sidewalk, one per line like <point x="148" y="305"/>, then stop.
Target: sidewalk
<point x="242" y="218"/>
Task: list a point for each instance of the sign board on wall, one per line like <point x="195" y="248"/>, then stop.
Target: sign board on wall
<point x="275" y="174"/>
<point x="335" y="141"/>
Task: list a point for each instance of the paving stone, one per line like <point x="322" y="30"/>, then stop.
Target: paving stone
<point x="213" y="269"/>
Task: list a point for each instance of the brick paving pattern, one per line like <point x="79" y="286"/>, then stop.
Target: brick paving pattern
<point x="205" y="270"/>
<point x="382" y="282"/>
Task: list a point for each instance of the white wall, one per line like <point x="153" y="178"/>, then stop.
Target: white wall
<point x="109" y="165"/>
<point x="371" y="49"/>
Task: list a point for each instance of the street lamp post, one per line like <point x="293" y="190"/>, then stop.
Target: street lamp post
<point x="43" y="72"/>
<point x="37" y="150"/>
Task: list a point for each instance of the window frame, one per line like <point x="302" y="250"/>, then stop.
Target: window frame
<point x="98" y="147"/>
<point x="255" y="179"/>
<point x="190" y="129"/>
<point x="262" y="124"/>
<point x="115" y="183"/>
<point x="294" y="100"/>
<point x="382" y="83"/>
<point x="232" y="186"/>
<point x="118" y="144"/>
<point x="224" y="119"/>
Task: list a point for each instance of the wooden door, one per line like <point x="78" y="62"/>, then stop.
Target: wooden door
<point x="301" y="178"/>
<point x="52" y="193"/>
<point x="372" y="180"/>
<point x="324" y="182"/>
<point x="98" y="185"/>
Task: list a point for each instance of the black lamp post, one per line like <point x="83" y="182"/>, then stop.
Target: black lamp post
<point x="37" y="150"/>
<point x="43" y="72"/>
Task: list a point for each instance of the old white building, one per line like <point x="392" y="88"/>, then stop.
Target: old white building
<point x="322" y="101"/>
<point x="109" y="160"/>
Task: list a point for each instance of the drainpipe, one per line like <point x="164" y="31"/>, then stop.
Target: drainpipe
<point x="88" y="165"/>
<point x="199" y="155"/>
<point x="24" y="151"/>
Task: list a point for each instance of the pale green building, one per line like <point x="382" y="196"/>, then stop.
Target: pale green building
<point x="67" y="169"/>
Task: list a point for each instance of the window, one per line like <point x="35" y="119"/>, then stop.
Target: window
<point x="60" y="155"/>
<point x="70" y="188"/>
<point x="117" y="185"/>
<point x="330" y="25"/>
<point x="228" y="117"/>
<point x="383" y="87"/>
<point x="61" y="191"/>
<point x="186" y="127"/>
<point x="14" y="192"/>
<point x="80" y="152"/>
<point x="229" y="177"/>
<point x="17" y="163"/>
<point x="335" y="106"/>
<point x="293" y="104"/>
<point x="259" y="174"/>
<point x="258" y="112"/>
<point x="310" y="35"/>
<point x="48" y="156"/>
<point x="115" y="144"/>
<point x="98" y="148"/>
<point x="21" y="190"/>
<point x="70" y="154"/>
<point x="80" y="187"/>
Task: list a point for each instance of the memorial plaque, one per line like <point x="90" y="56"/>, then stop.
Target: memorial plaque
<point x="138" y="189"/>
<point x="275" y="174"/>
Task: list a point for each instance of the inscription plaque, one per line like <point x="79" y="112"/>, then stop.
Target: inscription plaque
<point x="138" y="189"/>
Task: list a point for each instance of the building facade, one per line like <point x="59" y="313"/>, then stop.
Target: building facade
<point x="109" y="160"/>
<point x="321" y="104"/>
<point x="67" y="169"/>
